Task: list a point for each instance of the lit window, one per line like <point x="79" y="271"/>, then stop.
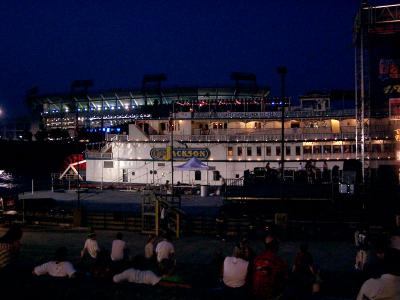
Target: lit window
<point x="230" y="151"/>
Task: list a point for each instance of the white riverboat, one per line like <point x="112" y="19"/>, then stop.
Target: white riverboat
<point x="234" y="140"/>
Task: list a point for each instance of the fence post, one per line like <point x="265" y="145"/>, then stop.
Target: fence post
<point x="177" y="225"/>
<point x="156" y="217"/>
<point x="32" y="186"/>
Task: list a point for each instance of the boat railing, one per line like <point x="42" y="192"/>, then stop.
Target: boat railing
<point x="253" y="137"/>
<point x="110" y="137"/>
<point x="244" y="137"/>
<point x="271" y="114"/>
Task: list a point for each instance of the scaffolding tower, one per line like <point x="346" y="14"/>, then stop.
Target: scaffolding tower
<point x="370" y="20"/>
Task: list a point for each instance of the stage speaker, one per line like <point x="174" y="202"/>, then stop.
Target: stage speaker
<point x="352" y="171"/>
<point x="349" y="177"/>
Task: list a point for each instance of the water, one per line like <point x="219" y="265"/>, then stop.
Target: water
<point x="7" y="180"/>
<point x="16" y="182"/>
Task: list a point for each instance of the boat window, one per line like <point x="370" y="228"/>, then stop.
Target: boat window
<point x="288" y="150"/>
<point x="258" y="149"/>
<point x="295" y="124"/>
<point x="278" y="150"/>
<point x="346" y="149"/>
<point x="387" y="147"/>
<point x="124" y="175"/>
<point x="376" y="148"/>
<point x="336" y="149"/>
<point x="317" y="149"/>
<point x="249" y="151"/>
<point x="327" y="149"/>
<point x="216" y="175"/>
<point x="307" y="150"/>
<point x="268" y="151"/>
<point x="298" y="151"/>
<point x="108" y="164"/>
<point x="197" y="175"/>
<point x="239" y="151"/>
<point x="230" y="151"/>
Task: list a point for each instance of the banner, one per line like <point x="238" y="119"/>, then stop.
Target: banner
<point x="179" y="153"/>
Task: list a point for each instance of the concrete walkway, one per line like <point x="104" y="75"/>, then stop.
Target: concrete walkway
<point x="115" y="200"/>
<point x="333" y="258"/>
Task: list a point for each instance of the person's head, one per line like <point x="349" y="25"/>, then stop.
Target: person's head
<point x="151" y="238"/>
<point x="270" y="234"/>
<point x="272" y="246"/>
<point x="244" y="243"/>
<point x="119" y="236"/>
<point x="61" y="254"/>
<point x="237" y="252"/>
<point x="166" y="236"/>
<point x="13" y="234"/>
<point x="92" y="235"/>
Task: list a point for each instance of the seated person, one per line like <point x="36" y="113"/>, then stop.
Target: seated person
<point x="150" y="278"/>
<point x="164" y="249"/>
<point x="10" y="247"/>
<point x="59" y="267"/>
<point x="149" y="248"/>
<point x="91" y="247"/>
<point x="388" y="285"/>
<point x="118" y="248"/>
<point x="234" y="272"/>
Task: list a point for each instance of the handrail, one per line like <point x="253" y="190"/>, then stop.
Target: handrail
<point x="252" y="137"/>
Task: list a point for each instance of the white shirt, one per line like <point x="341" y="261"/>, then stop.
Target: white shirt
<point x="92" y="247"/>
<point x="117" y="250"/>
<point x="235" y="272"/>
<point x="136" y="276"/>
<point x="387" y="287"/>
<point x="162" y="214"/>
<point x="164" y="250"/>
<point x="54" y="269"/>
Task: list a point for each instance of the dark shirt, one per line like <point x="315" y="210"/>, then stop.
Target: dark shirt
<point x="269" y="275"/>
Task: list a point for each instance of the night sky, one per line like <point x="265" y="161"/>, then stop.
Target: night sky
<point x="196" y="43"/>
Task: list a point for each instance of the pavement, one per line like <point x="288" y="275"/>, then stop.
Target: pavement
<point x="193" y="254"/>
<point x="334" y="258"/>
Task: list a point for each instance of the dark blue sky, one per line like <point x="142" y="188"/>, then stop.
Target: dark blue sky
<point x="50" y="43"/>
